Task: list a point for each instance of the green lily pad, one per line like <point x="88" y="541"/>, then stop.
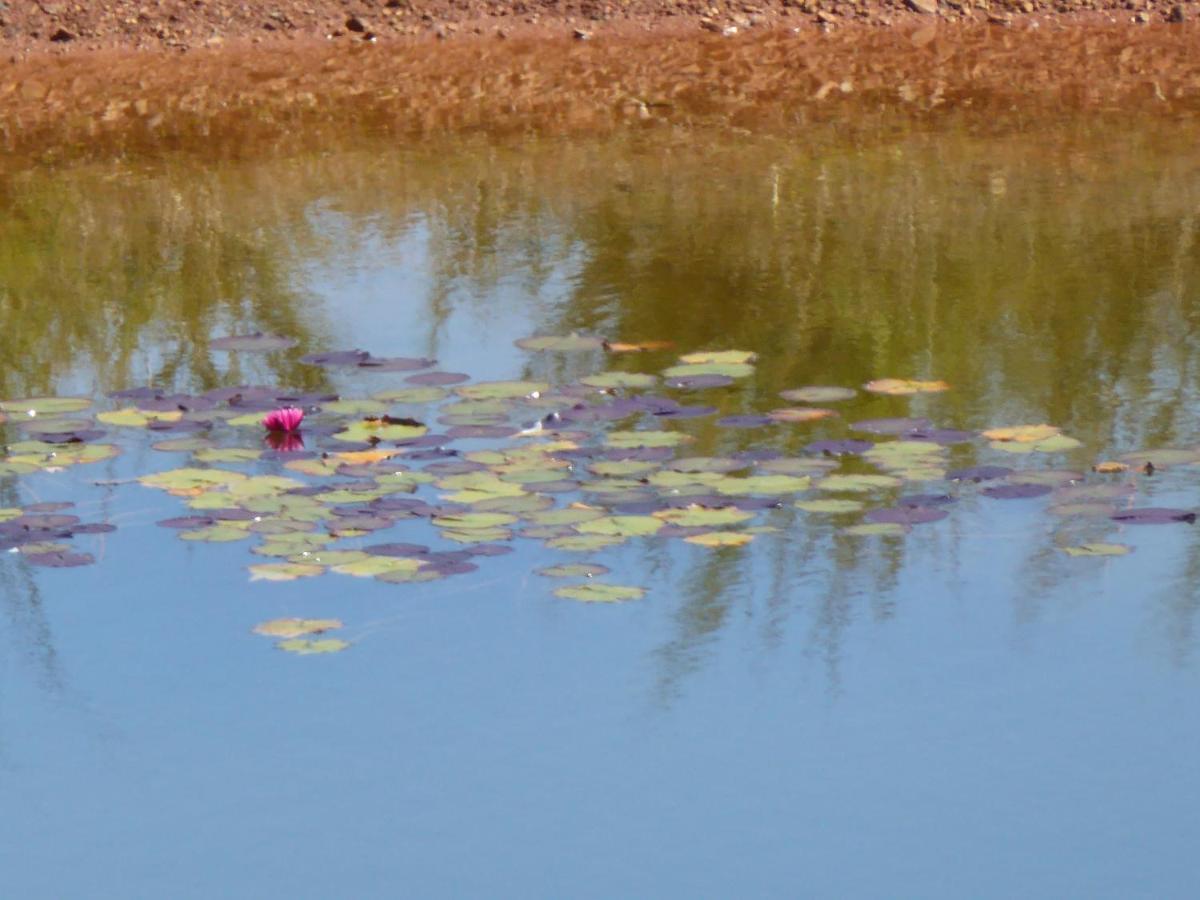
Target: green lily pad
<point x="583" y="543"/>
<point x="355" y="408"/>
<point x="616" y="380"/>
<point x="305" y="647"/>
<point x="595" y="592"/>
<point x="890" y="529"/>
<point x="471" y="521"/>
<point x="137" y="418"/>
<point x="818" y="394"/>
<point x="830" y="506"/>
<point x="705" y="464"/>
<point x="670" y="480"/>
<point x="720" y="539"/>
<point x="477" y="535"/>
<point x="703" y="516"/>
<point x="571" y="343"/>
<point x="729" y="370"/>
<point x="1160" y="459"/>
<point x="379" y="429"/>
<point x="45" y="406"/>
<point x="571" y="515"/>
<point x="629" y="440"/>
<point x="622" y="468"/>
<point x="1098" y="549"/>
<point x="377" y="565"/>
<point x="183" y="445"/>
<point x="1059" y="443"/>
<point x="719" y="357"/>
<point x="574" y="570"/>
<point x="621" y="526"/>
<point x="500" y="390"/>
<point x="215" y="534"/>
<point x="318" y="557"/>
<point x="188" y="479"/>
<point x="857" y="483"/>
<point x="285" y="571"/>
<point x="227" y="455"/>
<point x="410" y="576"/>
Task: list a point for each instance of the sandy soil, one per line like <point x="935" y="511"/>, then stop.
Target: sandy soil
<point x="91" y="78"/>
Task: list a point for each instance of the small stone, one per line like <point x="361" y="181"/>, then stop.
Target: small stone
<point x="1142" y="18"/>
<point x="580" y="35"/>
<point x="925" y="7"/>
<point x="1176" y="16"/>
<point x="354" y="23"/>
<point x="61" y="36"/>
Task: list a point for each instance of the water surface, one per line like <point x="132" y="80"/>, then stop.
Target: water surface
<point x="960" y="711"/>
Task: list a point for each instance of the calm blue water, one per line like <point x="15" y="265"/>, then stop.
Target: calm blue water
<point x="960" y="712"/>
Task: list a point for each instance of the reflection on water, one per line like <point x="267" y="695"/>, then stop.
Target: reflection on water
<point x="1048" y="278"/>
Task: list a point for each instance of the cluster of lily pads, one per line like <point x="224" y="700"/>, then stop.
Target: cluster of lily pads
<point x="581" y="467"/>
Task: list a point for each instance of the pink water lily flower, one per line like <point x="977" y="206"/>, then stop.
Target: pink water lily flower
<point x="286" y="419"/>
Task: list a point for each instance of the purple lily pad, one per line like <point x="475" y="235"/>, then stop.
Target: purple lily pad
<point x="687" y="412"/>
<point x="41" y="521"/>
<point x="49" y="506"/>
<point x="187" y="522"/>
<point x="939" y="435"/>
<point x="1020" y="491"/>
<point x="68" y="437"/>
<point x="756" y="456"/>
<point x="256" y="342"/>
<point x="744" y="421"/>
<point x="979" y="473"/>
<point x="396" y="550"/>
<point x="698" y="382"/>
<point x="1153" y="515"/>
<point x="906" y="515"/>
<point x="926" y="500"/>
<point x="336" y="358"/>
<point x="452" y="567"/>
<point x="839" y="448"/>
<point x="437" y="379"/>
<point x="94" y="528"/>
<point x="60" y="560"/>
<point x="395" y="363"/>
<point x="479" y="431"/>
<point x="889" y="426"/>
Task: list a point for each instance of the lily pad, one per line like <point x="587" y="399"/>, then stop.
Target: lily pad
<point x="45" y="406"/>
<point x="800" y="415"/>
<point x="621" y="526"/>
<point x="501" y="390"/>
<point x="618" y="380"/>
<point x="1153" y="515"/>
<point x="1160" y="459"/>
<point x="305" y="647"/>
<point x="583" y="543"/>
<point x="830" y="506"/>
<point x="571" y="343"/>
<point x="287" y="571"/>
<point x="633" y="439"/>
<point x="719" y="357"/>
<point x="886" y="529"/>
<point x="574" y="570"/>
<point x="818" y="394"/>
<point x="720" y="539"/>
<point x="904" y="386"/>
<point x="383" y="428"/>
<point x="725" y="370"/>
<point x="1098" y="548"/>
<point x="377" y="565"/>
<point x="595" y="592"/>
<point x="704" y="516"/>
<point x="293" y="628"/>
<point x="856" y="484"/>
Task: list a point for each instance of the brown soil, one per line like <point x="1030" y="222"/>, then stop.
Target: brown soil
<point x="86" y="78"/>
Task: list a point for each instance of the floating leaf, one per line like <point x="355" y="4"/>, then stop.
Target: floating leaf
<point x="287" y="571"/>
<point x="413" y="395"/>
<point x="216" y="534"/>
<point x="137" y="418"/>
<point x="472" y="521"/>
<point x="818" y="394"/>
<point x="635" y="439"/>
<point x="501" y="390"/>
<point x="571" y="343"/>
<point x="595" y="592"/>
<point x="800" y="415"/>
<point x="189" y="480"/>
<point x="636" y="347"/>
<point x="723" y="370"/>
<point x="615" y="380"/>
<point x="720" y="539"/>
<point x="703" y="516"/>
<point x="45" y="406"/>
<point x="381" y="429"/>
<point x="355" y="407"/>
<point x="1109" y="467"/>
<point x="377" y="565"/>
<point x="292" y="628"/>
<point x="1160" y="459"/>
<point x="584" y="543"/>
<point x="574" y="570"/>
<point x="1098" y="549"/>
<point x="1059" y="443"/>
<point x="719" y="357"/>
<point x="1153" y="515"/>
<point x="305" y="647"/>
<point x="831" y="506"/>
<point x="857" y="483"/>
<point x="904" y="386"/>
<point x="621" y="526"/>
<point x="889" y="529"/>
<point x="906" y="515"/>
<point x="1025" y="434"/>
<point x="227" y="455"/>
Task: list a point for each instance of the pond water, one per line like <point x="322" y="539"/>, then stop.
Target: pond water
<point x="945" y="704"/>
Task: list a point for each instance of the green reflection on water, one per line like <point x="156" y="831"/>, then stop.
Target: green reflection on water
<point x="1048" y="278"/>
